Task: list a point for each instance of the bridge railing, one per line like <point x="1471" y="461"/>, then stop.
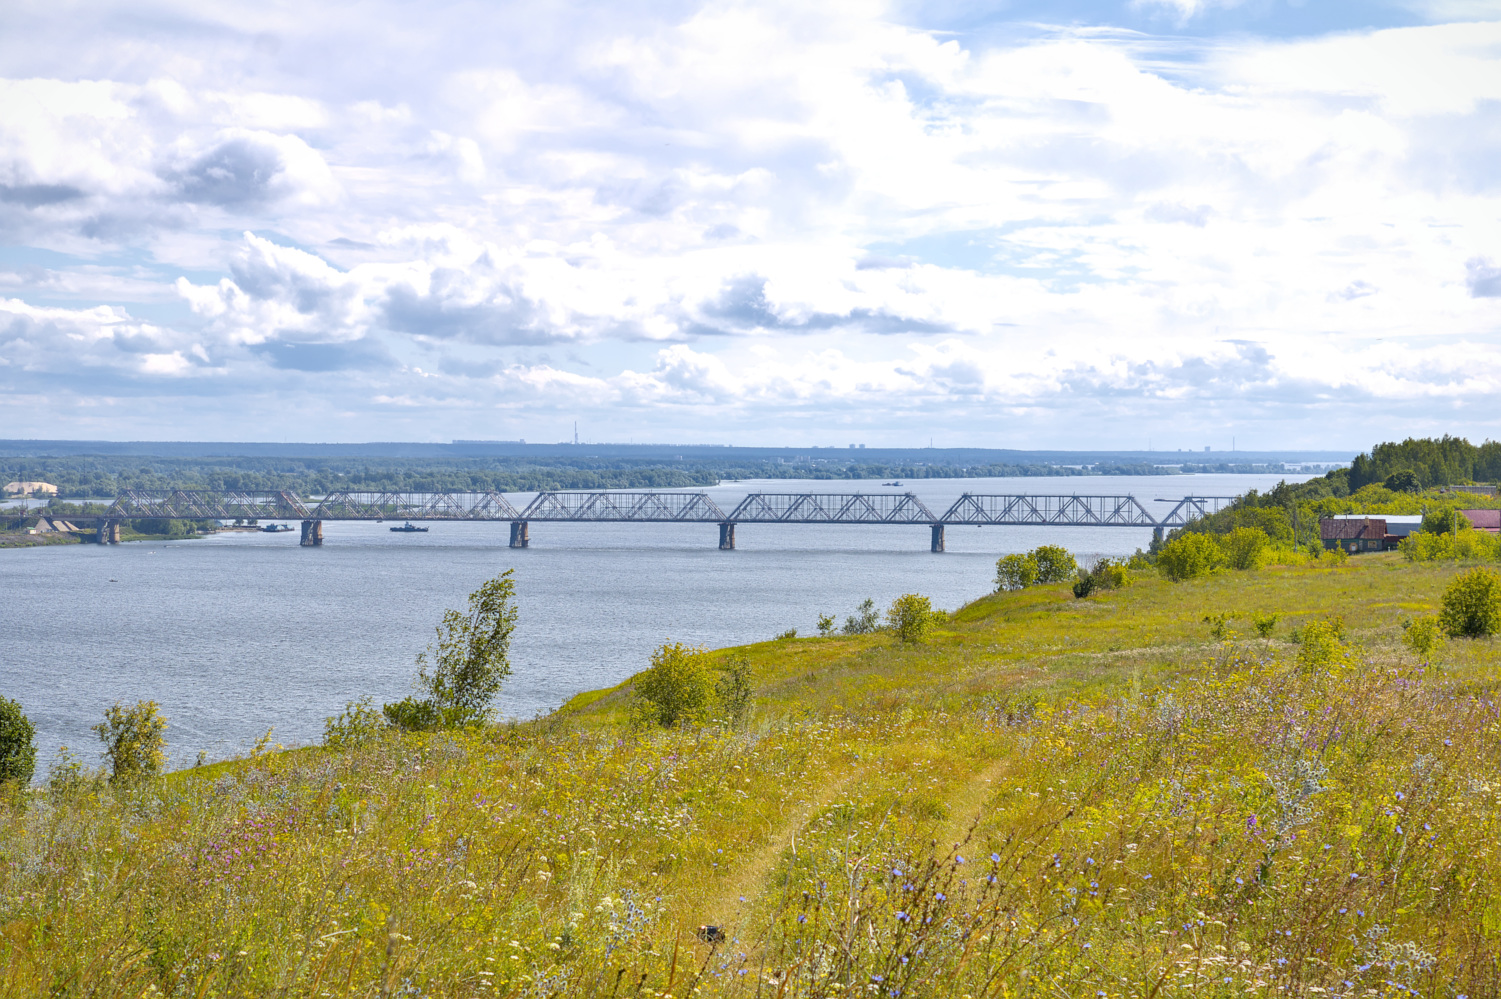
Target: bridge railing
<point x="641" y="507"/>
<point x="832" y="508"/>
<point x="390" y="505"/>
<point x="1018" y="510"/>
<point x="205" y="504"/>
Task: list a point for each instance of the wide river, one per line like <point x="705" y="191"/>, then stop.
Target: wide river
<point x="238" y="633"/>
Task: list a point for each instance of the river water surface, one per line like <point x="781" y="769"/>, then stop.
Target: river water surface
<point x="238" y="633"/>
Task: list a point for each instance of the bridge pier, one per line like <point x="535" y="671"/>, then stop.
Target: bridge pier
<point x="520" y="538"/>
<point x="312" y="533"/>
<point x="1157" y="535"/>
<point x="109" y="532"/>
<point x="727" y="536"/>
<point x="937" y="537"/>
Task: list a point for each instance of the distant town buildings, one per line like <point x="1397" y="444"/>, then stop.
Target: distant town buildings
<point x="30" y="489"/>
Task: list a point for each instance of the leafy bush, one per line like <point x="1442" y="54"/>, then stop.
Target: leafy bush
<point x="1054" y="564"/>
<point x="911" y="617"/>
<point x="1334" y="557"/>
<point x="1189" y="556"/>
<point x="1043" y="564"/>
<point x="1265" y="624"/>
<point x="1423" y="636"/>
<point x="866" y="619"/>
<point x="733" y="689"/>
<point x="68" y="778"/>
<point x="1104" y="574"/>
<point x="1246" y="547"/>
<point x="1219" y="625"/>
<point x="356" y="725"/>
<point x="677" y="689"/>
<point x="1428" y="546"/>
<point x="1321" y="644"/>
<point x="1015" y="572"/>
<point x="826" y="624"/>
<point x="462" y="671"/>
<point x="133" y="740"/>
<point x="1472" y="605"/>
<point x="1405" y="481"/>
<point x="1084" y="586"/>
<point x="1444" y="520"/>
<point x="790" y="633"/>
<point x="17" y="749"/>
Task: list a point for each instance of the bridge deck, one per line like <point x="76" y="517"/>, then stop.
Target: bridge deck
<point x="981" y="509"/>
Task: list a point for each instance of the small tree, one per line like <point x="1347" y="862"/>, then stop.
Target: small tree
<point x="867" y="620"/>
<point x="17" y="750"/>
<point x="733" y="689"/>
<point x="826" y="624"/>
<point x="133" y="740"/>
<point x="911" y="617"/>
<point x="1405" y="481"/>
<point x="1472" y="605"/>
<point x="1265" y="623"/>
<point x="1015" y="572"/>
<point x="1189" y="556"/>
<point x="1054" y="564"/>
<point x="1321" y="643"/>
<point x="1246" y="547"/>
<point x="678" y="688"/>
<point x="463" y="670"/>
<point x="356" y="725"/>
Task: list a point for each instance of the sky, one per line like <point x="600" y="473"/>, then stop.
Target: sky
<point x="1151" y="223"/>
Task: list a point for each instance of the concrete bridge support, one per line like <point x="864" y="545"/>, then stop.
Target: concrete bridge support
<point x="937" y="537"/>
<point x="727" y="537"/>
<point x="109" y="532"/>
<point x="520" y="538"/>
<point x="312" y="533"/>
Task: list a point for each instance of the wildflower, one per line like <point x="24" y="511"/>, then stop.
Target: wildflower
<point x="902" y="917"/>
<point x="995" y="858"/>
<point x="959" y="860"/>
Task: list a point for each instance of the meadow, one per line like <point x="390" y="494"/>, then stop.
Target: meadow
<point x="1050" y="796"/>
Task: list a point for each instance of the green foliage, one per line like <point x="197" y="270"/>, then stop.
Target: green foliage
<point x="1425" y="546"/>
<point x="1189" y="556"/>
<point x="1472" y="605"/>
<point x="1423" y="636"/>
<point x="68" y="778"/>
<point x="1405" y="481"/>
<point x="358" y="724"/>
<point x="678" y="688"/>
<point x="1083" y="586"/>
<point x="1246" y="547"/>
<point x="1015" y="572"/>
<point x="133" y="739"/>
<point x="1104" y="574"/>
<point x="911" y="617"/>
<point x="1043" y="564"/>
<point x="1321" y="644"/>
<point x="1219" y="625"/>
<point x="1265" y="624"/>
<point x="733" y="689"/>
<point x="17" y="749"/>
<point x="1438" y="462"/>
<point x="826" y="624"/>
<point x="787" y="635"/>
<point x="1054" y="564"/>
<point x="463" y="670"/>
<point x="1444" y="520"/>
<point x="865" y="620"/>
<point x="1334" y="557"/>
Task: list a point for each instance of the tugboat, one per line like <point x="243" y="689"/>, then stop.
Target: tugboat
<point x="409" y="528"/>
<point x="275" y="528"/>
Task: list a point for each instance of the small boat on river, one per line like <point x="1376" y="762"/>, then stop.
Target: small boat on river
<point x="275" y="528"/>
<point x="409" y="528"/>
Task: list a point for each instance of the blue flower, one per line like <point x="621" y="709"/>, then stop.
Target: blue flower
<point x="959" y="860"/>
<point x="995" y="858"/>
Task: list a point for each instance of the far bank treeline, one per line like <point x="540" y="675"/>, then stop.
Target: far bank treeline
<point x="100" y="476"/>
<point x="1413" y="477"/>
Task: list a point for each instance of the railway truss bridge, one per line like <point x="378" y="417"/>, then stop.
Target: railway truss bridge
<point x="978" y="509"/>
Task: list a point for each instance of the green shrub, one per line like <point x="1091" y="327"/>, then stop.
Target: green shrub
<point x="68" y="778"/>
<point x="1189" y="556"/>
<point x="1321" y="643"/>
<point x="1265" y="624"/>
<point x="1219" y="625"/>
<point x="462" y="671"/>
<point x="1405" y="481"/>
<point x="1084" y="586"/>
<point x="1423" y="636"/>
<point x="17" y="749"/>
<point x="1054" y="564"/>
<point x="1015" y="572"/>
<point x="1426" y="546"/>
<point x="1472" y="605"/>
<point x="865" y="620"/>
<point x="826" y="624"/>
<point x="677" y="689"/>
<point x="1444" y="520"/>
<point x="1246" y="547"/>
<point x="1104" y="574"/>
<point x="911" y="617"/>
<point x="733" y="689"/>
<point x="133" y="740"/>
<point x="356" y="725"/>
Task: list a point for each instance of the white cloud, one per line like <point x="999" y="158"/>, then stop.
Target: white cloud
<point x="904" y="221"/>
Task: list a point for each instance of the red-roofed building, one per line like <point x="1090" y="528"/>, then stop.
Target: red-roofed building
<point x="1484" y="520"/>
<point x="1365" y="535"/>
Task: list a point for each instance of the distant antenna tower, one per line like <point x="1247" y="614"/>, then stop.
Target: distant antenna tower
<point x="575" y="431"/>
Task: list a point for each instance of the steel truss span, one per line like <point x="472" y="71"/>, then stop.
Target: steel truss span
<point x="654" y="507"/>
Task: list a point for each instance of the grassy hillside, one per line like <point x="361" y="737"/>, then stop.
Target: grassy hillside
<point x="1052" y="797"/>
